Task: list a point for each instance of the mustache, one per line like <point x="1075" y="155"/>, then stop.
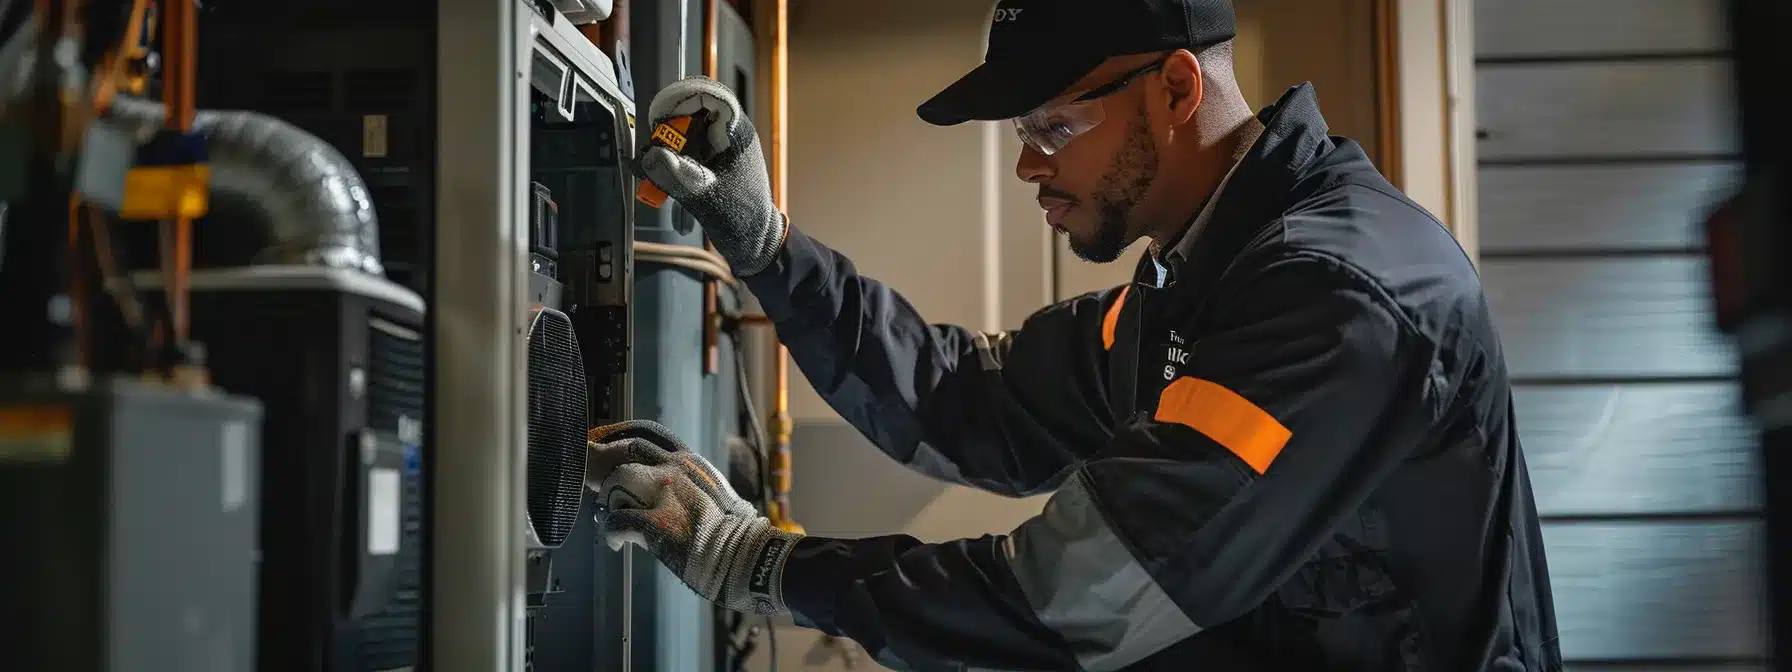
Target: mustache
<point x="1048" y="192"/>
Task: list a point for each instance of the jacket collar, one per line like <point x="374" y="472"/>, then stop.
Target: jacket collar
<point x="1294" y="136"/>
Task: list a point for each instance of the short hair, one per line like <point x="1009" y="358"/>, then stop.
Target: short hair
<point x="1216" y="57"/>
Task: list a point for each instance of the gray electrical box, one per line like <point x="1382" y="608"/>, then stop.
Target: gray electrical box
<point x="128" y="522"/>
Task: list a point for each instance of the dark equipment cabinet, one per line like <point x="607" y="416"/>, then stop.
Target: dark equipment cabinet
<point x="360" y="75"/>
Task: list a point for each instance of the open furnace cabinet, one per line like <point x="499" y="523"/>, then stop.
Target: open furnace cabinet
<point x="533" y="274"/>
<point x="578" y="195"/>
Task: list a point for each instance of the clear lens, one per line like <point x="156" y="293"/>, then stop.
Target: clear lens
<point x="1047" y="130"/>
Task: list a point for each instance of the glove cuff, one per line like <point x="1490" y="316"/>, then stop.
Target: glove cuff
<point x="758" y="581"/>
<point x="767" y="254"/>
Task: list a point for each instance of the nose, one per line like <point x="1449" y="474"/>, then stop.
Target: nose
<point x="1033" y="166"/>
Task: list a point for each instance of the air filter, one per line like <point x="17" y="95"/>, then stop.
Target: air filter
<point x="557" y="423"/>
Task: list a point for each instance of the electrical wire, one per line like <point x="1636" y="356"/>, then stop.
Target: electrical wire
<point x="758" y="441"/>
<point x="91" y="241"/>
<point x="684" y="256"/>
<point x="754" y="426"/>
<point x="117" y="283"/>
<point x="771" y="644"/>
<point x="78" y="282"/>
<point x="667" y="249"/>
<point x="172" y="309"/>
<point x="703" y="267"/>
<point x="711" y="264"/>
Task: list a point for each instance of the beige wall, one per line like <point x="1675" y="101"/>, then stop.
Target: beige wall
<point x="938" y="214"/>
<point x="933" y="212"/>
<point x="1436" y="100"/>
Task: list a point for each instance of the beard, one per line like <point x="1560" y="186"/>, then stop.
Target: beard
<point x="1128" y="177"/>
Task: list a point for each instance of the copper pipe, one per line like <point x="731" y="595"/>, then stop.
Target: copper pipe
<point x="777" y="143"/>
<point x="778" y="158"/>
<point x="112" y="69"/>
<point x="712" y="313"/>
<point x="712" y="39"/>
<point x="180" y="71"/>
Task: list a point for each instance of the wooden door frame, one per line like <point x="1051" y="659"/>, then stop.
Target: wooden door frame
<point x="1446" y="38"/>
<point x="1386" y="29"/>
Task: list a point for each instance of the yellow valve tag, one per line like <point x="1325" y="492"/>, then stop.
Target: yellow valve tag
<point x="166" y="192"/>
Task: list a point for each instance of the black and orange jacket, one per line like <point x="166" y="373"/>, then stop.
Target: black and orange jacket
<point x="1296" y="451"/>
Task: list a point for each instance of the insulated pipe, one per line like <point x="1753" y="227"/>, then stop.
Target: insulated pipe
<point x="312" y="207"/>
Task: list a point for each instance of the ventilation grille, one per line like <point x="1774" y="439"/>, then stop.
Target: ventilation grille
<point x="395" y="390"/>
<point x="557" y="426"/>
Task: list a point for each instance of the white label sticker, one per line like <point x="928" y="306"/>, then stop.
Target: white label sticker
<point x="382" y="511"/>
<point x="235" y="465"/>
<point x="373" y="136"/>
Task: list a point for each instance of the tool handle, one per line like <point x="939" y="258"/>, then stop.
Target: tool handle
<point x="670" y="134"/>
<point x="650" y="193"/>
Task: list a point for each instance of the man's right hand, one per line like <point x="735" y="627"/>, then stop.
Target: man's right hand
<point x="730" y="195"/>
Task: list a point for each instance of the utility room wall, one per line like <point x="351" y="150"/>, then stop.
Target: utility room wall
<point x="1606" y="134"/>
<point x="938" y="214"/>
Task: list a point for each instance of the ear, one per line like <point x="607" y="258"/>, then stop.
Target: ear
<point x="1183" y="83"/>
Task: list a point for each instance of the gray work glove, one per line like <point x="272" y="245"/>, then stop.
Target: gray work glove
<point x="654" y="492"/>
<point x="730" y="195"/>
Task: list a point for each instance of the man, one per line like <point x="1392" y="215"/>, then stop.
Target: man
<point x="1287" y="444"/>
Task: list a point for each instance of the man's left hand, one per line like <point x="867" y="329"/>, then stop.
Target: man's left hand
<point x="656" y="493"/>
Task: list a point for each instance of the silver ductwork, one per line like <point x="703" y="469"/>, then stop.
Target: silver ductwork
<point x="312" y="207"/>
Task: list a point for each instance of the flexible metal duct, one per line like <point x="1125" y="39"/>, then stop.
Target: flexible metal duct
<point x="311" y="205"/>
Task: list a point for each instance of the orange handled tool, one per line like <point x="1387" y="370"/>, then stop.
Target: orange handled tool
<point x="683" y="135"/>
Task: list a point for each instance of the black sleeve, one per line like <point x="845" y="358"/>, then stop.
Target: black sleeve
<point x="1282" y="422"/>
<point x="1003" y="412"/>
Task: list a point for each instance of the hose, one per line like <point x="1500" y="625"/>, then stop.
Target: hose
<point x="696" y="259"/>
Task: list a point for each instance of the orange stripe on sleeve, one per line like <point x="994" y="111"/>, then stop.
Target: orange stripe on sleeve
<point x="1230" y="420"/>
<point x="1112" y="319"/>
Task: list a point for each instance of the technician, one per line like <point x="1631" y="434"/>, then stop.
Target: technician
<point x="1287" y="444"/>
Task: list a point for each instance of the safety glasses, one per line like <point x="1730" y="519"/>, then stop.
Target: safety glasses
<point x="1048" y="129"/>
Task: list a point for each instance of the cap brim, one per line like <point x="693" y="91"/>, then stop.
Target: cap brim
<point x="1005" y="90"/>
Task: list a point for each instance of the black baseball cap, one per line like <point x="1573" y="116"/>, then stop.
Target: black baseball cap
<point x="1038" y="48"/>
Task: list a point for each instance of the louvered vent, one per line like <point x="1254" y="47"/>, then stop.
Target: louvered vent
<point x="395" y="397"/>
<point x="557" y="426"/>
